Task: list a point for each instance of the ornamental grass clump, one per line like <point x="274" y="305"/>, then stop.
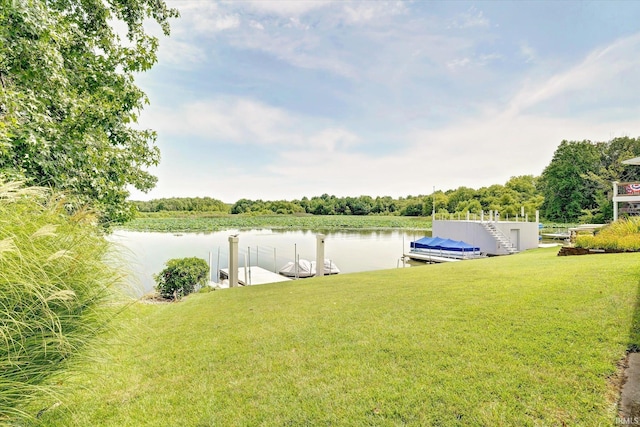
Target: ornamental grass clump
<point x="621" y="235"/>
<point x="55" y="278"/>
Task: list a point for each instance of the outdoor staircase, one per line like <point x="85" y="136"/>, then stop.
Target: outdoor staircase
<point x="499" y="237"/>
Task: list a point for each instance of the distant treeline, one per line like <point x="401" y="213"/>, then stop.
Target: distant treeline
<point x="183" y="204"/>
<point x="509" y="199"/>
<point x="575" y="187"/>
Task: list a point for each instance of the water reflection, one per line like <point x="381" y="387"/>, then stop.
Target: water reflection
<point x="352" y="251"/>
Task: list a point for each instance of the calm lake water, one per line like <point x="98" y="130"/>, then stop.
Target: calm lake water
<point x="352" y="251"/>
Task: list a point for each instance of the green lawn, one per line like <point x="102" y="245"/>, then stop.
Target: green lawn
<point x="529" y="339"/>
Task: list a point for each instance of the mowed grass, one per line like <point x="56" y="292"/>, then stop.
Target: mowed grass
<point x="529" y="339"/>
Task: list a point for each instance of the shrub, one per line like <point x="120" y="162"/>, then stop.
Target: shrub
<point x="181" y="277"/>
<point x="55" y="276"/>
<point x="622" y="235"/>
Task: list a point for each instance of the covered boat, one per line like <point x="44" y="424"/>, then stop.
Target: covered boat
<point x="329" y="267"/>
<point x="305" y="268"/>
<point x="438" y="249"/>
<point x="440" y="244"/>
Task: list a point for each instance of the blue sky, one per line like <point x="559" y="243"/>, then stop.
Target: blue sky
<point x="283" y="99"/>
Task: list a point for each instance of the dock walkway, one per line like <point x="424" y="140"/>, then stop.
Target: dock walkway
<point x="254" y="276"/>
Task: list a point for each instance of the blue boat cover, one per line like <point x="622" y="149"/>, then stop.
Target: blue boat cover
<point x="438" y="243"/>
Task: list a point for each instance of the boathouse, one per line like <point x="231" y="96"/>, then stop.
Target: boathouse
<point x="491" y="235"/>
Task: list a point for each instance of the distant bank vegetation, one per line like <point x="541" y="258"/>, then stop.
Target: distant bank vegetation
<point x="574" y="187"/>
<point x="509" y="199"/>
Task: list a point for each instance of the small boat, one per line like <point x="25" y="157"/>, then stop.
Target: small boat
<point x="305" y="268"/>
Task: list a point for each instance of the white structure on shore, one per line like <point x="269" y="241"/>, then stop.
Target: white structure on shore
<point x="492" y="236"/>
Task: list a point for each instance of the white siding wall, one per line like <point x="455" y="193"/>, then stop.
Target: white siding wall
<point x="473" y="232"/>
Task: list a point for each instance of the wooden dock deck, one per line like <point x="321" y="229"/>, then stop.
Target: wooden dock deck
<point x="255" y="276"/>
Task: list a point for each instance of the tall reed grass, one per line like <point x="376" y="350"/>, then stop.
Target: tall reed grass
<point x="621" y="235"/>
<point x="55" y="280"/>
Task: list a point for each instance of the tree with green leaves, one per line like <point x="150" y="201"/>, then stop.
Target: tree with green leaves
<point x="68" y="100"/>
<point x="563" y="182"/>
<point x="577" y="184"/>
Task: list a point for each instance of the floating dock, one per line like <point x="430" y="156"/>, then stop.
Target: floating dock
<point x="254" y="276"/>
<point x="430" y="258"/>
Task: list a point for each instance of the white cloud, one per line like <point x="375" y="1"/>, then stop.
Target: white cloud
<point x="476" y="61"/>
<point x="247" y="121"/>
<point x="225" y="22"/>
<point x="333" y="139"/>
<point x="472" y="18"/>
<point x="604" y="79"/>
<point x="180" y="54"/>
<point x="458" y="63"/>
<point x="529" y="53"/>
<point x="257" y="25"/>
<point x="239" y="120"/>
<point x="202" y="17"/>
<point x="286" y="8"/>
<point x="365" y="12"/>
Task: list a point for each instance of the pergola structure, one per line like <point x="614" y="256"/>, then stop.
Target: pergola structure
<point x="626" y="192"/>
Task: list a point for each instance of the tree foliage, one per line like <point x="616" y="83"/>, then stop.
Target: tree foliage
<point x="577" y="184"/>
<point x="509" y="199"/>
<point x="182" y="204"/>
<point x="68" y="100"/>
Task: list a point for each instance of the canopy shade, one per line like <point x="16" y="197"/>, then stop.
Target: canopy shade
<point x="438" y="243"/>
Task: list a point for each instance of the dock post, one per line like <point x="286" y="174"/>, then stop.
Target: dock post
<point x="210" y="265"/>
<point x="233" y="261"/>
<point x="615" y="200"/>
<point x="320" y="255"/>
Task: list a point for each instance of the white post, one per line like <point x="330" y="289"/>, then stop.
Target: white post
<point x="245" y="267"/>
<point x="246" y="281"/>
<point x="433" y="204"/>
<point x="482" y="216"/>
<point x="218" y="266"/>
<point x="320" y="255"/>
<point x="233" y="261"/>
<point x="295" y="259"/>
<point x="615" y="200"/>
<point x="210" y="265"/>
<point x="521" y="210"/>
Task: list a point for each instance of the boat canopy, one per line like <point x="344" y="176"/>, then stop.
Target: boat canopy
<point x="439" y="243"/>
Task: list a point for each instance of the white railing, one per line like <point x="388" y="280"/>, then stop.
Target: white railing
<point x="489" y="216"/>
